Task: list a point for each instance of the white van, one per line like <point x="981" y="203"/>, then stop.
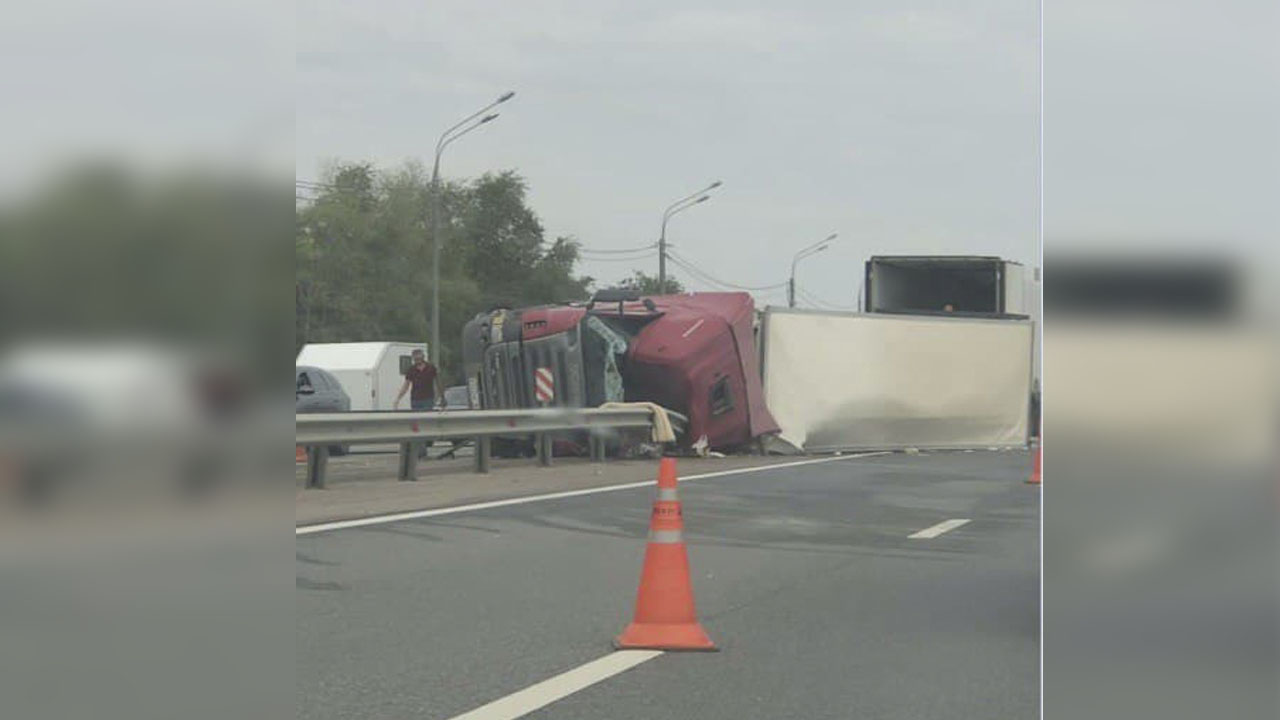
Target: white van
<point x="370" y="372"/>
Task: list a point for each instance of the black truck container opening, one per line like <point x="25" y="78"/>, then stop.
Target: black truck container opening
<point x="936" y="284"/>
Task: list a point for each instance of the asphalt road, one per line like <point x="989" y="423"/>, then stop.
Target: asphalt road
<point x="805" y="576"/>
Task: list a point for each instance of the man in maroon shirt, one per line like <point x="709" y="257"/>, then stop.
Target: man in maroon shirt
<point x="421" y="377"/>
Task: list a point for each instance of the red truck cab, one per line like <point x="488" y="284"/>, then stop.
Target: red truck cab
<point x="693" y="354"/>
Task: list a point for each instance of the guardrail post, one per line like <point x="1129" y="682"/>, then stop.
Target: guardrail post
<point x="596" y="445"/>
<point x="317" y="461"/>
<point x="484" y="446"/>
<point x="408" y="462"/>
<point x="542" y="442"/>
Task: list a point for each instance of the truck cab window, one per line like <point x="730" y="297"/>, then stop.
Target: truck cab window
<point x="721" y="397"/>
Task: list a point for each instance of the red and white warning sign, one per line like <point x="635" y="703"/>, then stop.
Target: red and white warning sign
<point x="544" y="385"/>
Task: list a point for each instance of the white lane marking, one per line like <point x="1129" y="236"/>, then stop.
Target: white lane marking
<point x="936" y="530"/>
<point x="548" y="691"/>
<point x="396" y="517"/>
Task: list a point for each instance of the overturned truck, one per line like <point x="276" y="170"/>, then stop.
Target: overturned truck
<point x="694" y="354"/>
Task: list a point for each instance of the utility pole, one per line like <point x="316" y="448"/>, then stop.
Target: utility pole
<point x="813" y="249"/>
<point x="680" y="205"/>
<point x="447" y="137"/>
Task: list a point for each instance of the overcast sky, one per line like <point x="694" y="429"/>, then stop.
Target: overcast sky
<point x="907" y="127"/>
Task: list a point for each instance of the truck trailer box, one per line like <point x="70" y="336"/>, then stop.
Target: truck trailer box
<point x="850" y="381"/>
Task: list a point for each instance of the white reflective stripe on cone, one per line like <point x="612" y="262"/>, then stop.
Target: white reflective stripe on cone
<point x="667" y="494"/>
<point x="666" y="537"/>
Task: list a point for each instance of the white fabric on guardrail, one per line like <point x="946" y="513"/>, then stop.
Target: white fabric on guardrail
<point x="662" y="429"/>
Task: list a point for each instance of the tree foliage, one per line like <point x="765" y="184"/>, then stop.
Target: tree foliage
<point x="648" y="284"/>
<point x="364" y="257"/>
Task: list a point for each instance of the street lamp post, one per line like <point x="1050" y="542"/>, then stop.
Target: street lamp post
<point x="813" y="249"/>
<point x="448" y="136"/>
<point x="680" y="205"/>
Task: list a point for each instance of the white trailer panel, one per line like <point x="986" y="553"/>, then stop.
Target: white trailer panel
<point x="845" y="381"/>
<point x="370" y="372"/>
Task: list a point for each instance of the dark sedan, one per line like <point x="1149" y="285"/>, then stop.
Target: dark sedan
<point x="318" y="391"/>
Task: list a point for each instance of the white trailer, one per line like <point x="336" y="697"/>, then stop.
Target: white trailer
<point x="370" y="372"/>
<point x="846" y="381"/>
<point x="960" y="285"/>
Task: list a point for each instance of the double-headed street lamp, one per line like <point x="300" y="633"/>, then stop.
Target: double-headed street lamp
<point x="463" y="127"/>
<point x="813" y="249"/>
<point x="680" y="205"/>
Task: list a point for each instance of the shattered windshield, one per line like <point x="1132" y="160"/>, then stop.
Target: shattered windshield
<point x="602" y="347"/>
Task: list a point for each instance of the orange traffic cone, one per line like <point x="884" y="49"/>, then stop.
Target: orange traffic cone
<point x="665" y="618"/>
<point x="301" y="455"/>
<point x="1035" y="467"/>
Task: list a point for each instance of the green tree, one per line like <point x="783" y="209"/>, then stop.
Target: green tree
<point x="360" y="260"/>
<point x="364" y="254"/>
<point x="648" y="284"/>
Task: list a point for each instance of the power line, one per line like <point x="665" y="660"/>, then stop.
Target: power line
<point x="313" y="186"/>
<point x="708" y="277"/>
<point x="702" y="276"/>
<point x="638" y="256"/>
<point x="616" y="251"/>
<point x="621" y="259"/>
<point x="777" y="293"/>
<point x="710" y="283"/>
<point x="817" y="302"/>
<point x="765" y="295"/>
<point x="823" y="304"/>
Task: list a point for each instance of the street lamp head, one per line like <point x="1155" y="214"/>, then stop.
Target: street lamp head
<point x="507" y="96"/>
<point x="704" y="198"/>
<point x="811" y="250"/>
<point x="715" y="185"/>
<point x="831" y="237"/>
<point x="487" y="118"/>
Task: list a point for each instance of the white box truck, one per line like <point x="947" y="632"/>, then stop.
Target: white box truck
<point x="370" y="372"/>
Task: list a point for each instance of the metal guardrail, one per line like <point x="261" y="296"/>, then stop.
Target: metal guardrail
<point x="318" y="431"/>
